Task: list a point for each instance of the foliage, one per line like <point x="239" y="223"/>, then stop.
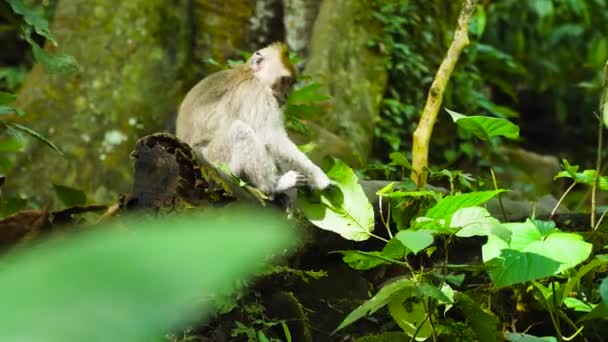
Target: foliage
<point x="113" y="277"/>
<point x="412" y="58"/>
<point x="530" y="252"/>
<point x="31" y="20"/>
<point x="544" y="58"/>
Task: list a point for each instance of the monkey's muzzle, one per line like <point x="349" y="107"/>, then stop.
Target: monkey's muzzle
<point x="281" y="89"/>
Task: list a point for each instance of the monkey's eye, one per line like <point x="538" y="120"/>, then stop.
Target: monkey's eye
<point x="257" y="60"/>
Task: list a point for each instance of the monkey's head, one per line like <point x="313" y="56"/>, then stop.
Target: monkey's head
<point x="271" y="67"/>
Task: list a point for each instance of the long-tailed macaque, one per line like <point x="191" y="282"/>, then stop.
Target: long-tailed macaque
<point x="234" y="117"/>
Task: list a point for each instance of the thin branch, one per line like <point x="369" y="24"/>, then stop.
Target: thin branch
<point x="598" y="167"/>
<point x="386" y="221"/>
<point x="502" y="207"/>
<point x="561" y="199"/>
<point x="422" y="134"/>
<point x="599" y="222"/>
<point x="600" y="138"/>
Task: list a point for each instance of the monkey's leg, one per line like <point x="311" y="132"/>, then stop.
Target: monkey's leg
<point x="249" y="157"/>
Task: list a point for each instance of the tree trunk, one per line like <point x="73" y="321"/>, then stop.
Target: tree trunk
<point x="353" y="74"/>
<point x="137" y="60"/>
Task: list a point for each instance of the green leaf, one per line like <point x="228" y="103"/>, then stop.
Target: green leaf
<point x="477" y="221"/>
<point x="573" y="281"/>
<point x="383" y="297"/>
<point x="478" y="21"/>
<point x="360" y="260"/>
<point x="399" y="159"/>
<point x="345" y="211"/>
<point x="415" y="240"/>
<point x="11" y="145"/>
<point x="35" y="135"/>
<point x="600" y="311"/>
<point x="543" y="8"/>
<point x="136" y="279"/>
<point x="578" y="305"/>
<point x="6" y="98"/>
<point x="520" y="337"/>
<point x="445" y="208"/>
<point x="11" y="205"/>
<point x="307" y="94"/>
<point x="604" y="291"/>
<point x="8" y="110"/>
<point x="586" y="177"/>
<point x="69" y="196"/>
<point x="262" y="337"/>
<point x="286" y="331"/>
<point x="426" y="290"/>
<point x="485" y="127"/>
<point x="40" y="25"/>
<point x="53" y="63"/>
<point x="412" y="319"/>
<point x="455" y="279"/>
<point x="531" y="255"/>
<point x="485" y="325"/>
<point x="394" y="249"/>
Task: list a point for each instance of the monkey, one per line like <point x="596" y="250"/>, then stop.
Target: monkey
<point x="235" y="117"/>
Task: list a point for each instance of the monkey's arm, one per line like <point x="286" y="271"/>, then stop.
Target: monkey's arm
<point x="284" y="149"/>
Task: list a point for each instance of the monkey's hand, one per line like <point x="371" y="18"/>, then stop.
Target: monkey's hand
<point x="319" y="180"/>
<point x="289" y="180"/>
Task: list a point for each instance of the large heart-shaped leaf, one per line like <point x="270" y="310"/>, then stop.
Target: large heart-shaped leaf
<point x="477" y="221"/>
<point x="415" y="240"/>
<point x="347" y="212"/>
<point x="532" y="253"/>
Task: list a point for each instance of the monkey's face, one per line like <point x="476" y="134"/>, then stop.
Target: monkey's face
<point x="271" y="66"/>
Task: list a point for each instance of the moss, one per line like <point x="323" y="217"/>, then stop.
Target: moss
<point x="222" y="27"/>
<point x="354" y="75"/>
<point x="128" y="71"/>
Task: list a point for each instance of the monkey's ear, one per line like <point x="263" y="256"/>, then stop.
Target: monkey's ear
<point x="256" y="61"/>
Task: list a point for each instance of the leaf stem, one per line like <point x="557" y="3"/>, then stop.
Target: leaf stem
<point x="561" y="199"/>
<point x="386" y="221"/>
<point x="502" y="207"/>
<point x="598" y="167"/>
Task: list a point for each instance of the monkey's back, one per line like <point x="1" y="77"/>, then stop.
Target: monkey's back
<point x="205" y="107"/>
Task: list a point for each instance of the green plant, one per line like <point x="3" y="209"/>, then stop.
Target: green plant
<point x="29" y="22"/>
<point x="116" y="276"/>
<point x="528" y="253"/>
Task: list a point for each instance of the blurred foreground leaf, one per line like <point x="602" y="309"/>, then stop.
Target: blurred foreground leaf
<point x="135" y="280"/>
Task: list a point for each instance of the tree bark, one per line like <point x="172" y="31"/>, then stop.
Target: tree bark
<point x="138" y="58"/>
<point x="351" y="73"/>
<point x="422" y="134"/>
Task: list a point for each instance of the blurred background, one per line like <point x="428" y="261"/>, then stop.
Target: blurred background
<point x="109" y="72"/>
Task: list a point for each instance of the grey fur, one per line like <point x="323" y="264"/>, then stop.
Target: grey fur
<point x="233" y="117"/>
